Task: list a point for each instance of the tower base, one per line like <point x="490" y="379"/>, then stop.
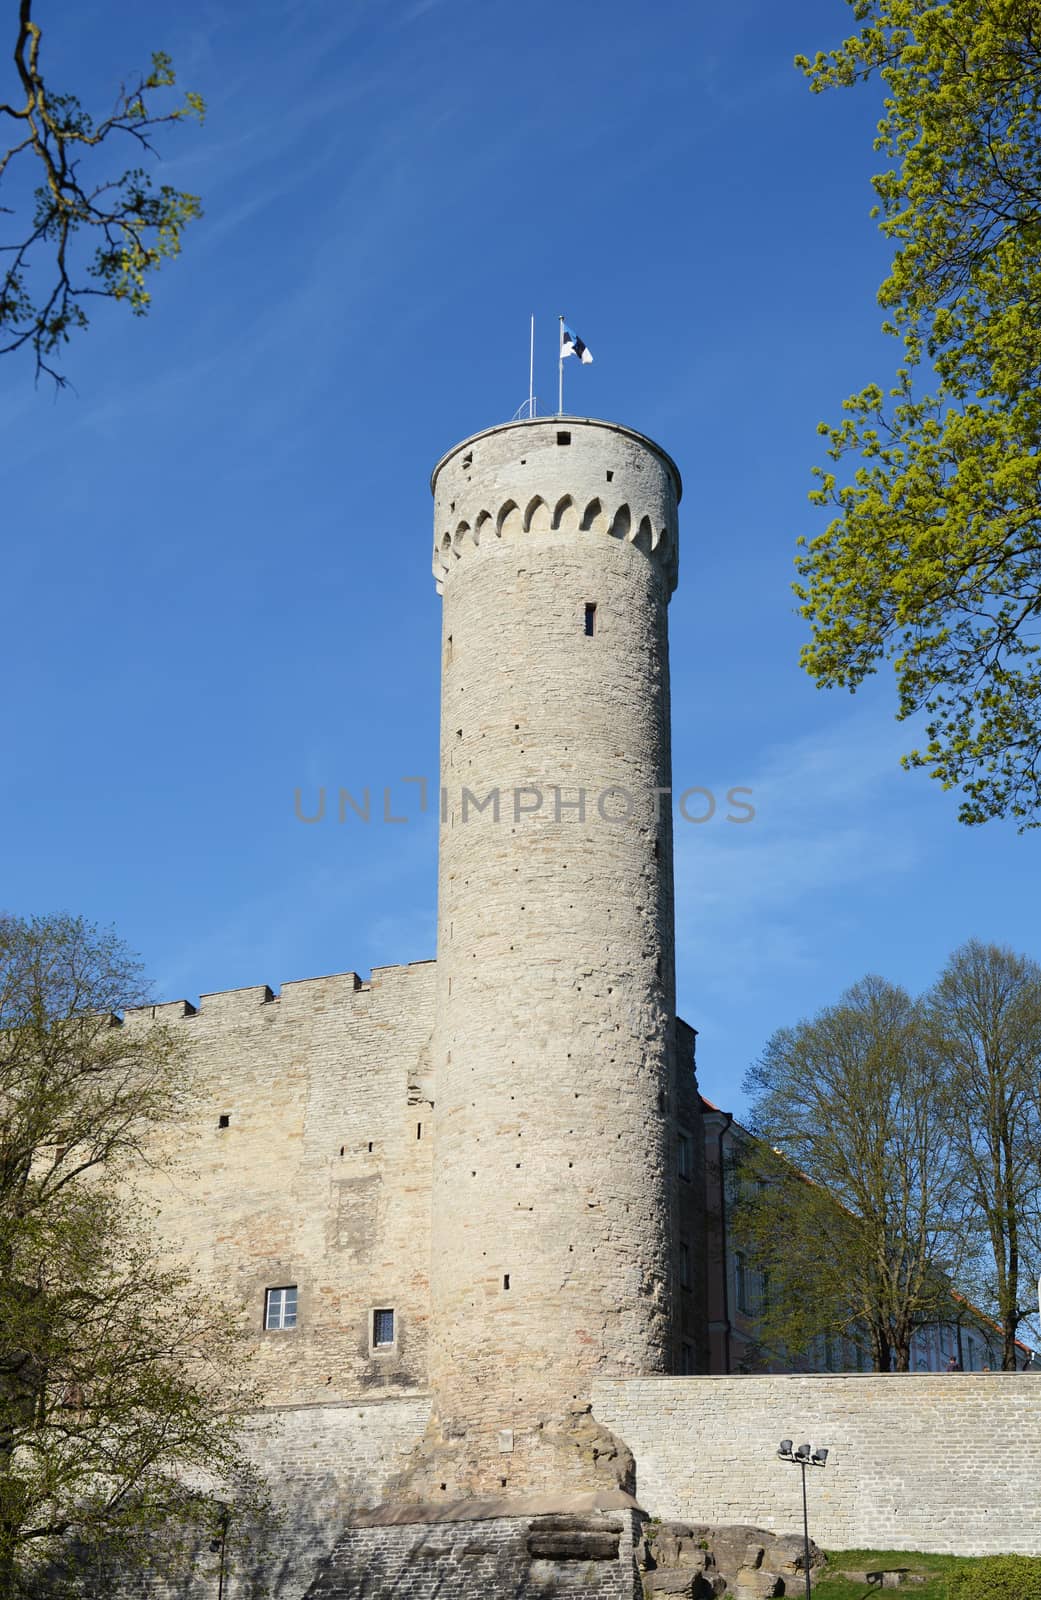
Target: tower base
<point x="569" y="1453"/>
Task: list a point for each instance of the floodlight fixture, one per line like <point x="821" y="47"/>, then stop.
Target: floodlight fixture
<point x="804" y="1456"/>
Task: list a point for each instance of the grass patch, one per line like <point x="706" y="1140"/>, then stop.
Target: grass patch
<point x="833" y="1587"/>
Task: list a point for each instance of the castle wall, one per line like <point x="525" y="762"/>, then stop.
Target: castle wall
<point x="496" y="1558"/>
<point x="948" y="1463"/>
<point x="322" y="1463"/>
<point x="321" y="1178"/>
<point x="554" y="1232"/>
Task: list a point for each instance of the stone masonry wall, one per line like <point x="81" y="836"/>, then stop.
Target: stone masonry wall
<point x="322" y="1464"/>
<point x="497" y="1558"/>
<point x="320" y="1179"/>
<point x="554" y="1234"/>
<point x="948" y="1463"/>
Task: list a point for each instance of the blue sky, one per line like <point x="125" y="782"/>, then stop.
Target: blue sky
<point x="217" y="550"/>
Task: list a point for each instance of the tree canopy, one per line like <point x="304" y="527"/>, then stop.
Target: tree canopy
<point x="932" y="559"/>
<point x="77" y="226"/>
<point x="985" y="1013"/>
<point x="122" y="1387"/>
<point x="852" y="1195"/>
<point x="897" y="1156"/>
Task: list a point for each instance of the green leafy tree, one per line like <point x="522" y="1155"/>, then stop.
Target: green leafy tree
<point x="986" y="1012"/>
<point x="932" y="559"/>
<point x="122" y="1388"/>
<point x="84" y="229"/>
<point x="851" y="1196"/>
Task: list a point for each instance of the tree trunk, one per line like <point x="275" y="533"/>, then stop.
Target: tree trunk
<point x="881" y="1351"/>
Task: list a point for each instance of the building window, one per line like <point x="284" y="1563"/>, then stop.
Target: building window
<point x="685" y="1157"/>
<point x="382" y="1329"/>
<point x="687" y="1367"/>
<point x="590" y="623"/>
<point x="280" y="1307"/>
<point x="744" y="1302"/>
<point x="684" y="1266"/>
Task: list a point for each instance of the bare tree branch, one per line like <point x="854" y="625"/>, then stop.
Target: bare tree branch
<point x="89" y="234"/>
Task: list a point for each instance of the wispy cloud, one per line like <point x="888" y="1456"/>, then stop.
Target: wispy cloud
<point x="419" y="9"/>
<point x="759" y="904"/>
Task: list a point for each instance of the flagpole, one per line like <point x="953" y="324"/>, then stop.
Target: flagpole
<point x="531" y="371"/>
<point x="560" y="373"/>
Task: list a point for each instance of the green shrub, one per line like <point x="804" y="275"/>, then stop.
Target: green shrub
<point x="997" y="1578"/>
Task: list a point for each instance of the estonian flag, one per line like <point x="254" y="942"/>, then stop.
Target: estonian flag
<point x="573" y="346"/>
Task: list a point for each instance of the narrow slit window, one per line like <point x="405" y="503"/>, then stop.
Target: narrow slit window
<point x="448" y="650"/>
<point x="280" y="1308"/>
<point x="590" y="618"/>
<point x="419" y="1130"/>
<point x="506" y="1280"/>
<point x="382" y="1329"/>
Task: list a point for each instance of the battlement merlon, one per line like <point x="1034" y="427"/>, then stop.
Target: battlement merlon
<point x="560" y="476"/>
<point x="296" y="994"/>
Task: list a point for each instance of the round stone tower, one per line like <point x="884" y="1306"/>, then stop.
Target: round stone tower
<point x="555" y="551"/>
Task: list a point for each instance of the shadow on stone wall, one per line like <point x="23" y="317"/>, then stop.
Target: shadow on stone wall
<point x="570" y="1556"/>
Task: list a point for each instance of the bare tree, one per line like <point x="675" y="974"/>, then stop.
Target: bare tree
<point x="85" y="230"/>
<point x="852" y="1194"/>
<point x="986" y="1015"/>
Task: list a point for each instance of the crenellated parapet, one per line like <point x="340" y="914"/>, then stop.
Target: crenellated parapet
<point x="303" y="996"/>
<point x="577" y="478"/>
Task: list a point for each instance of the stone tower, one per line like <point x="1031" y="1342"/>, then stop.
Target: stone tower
<point x="552" y="1260"/>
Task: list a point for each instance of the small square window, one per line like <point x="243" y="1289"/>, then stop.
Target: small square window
<point x="224" y="1120"/>
<point x="563" y="437"/>
<point x="382" y="1329"/>
<point x="280" y="1308"/>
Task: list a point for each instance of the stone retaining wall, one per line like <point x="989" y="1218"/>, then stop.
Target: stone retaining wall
<point x="948" y="1463"/>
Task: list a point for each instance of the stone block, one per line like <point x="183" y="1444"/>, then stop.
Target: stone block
<point x="574" y="1537"/>
<point x="670" y="1580"/>
<point x="755" y="1583"/>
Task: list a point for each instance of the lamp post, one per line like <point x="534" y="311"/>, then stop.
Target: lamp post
<point x="802" y="1456"/>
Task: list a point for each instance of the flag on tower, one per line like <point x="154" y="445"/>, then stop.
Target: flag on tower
<point x="572" y="345"/>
